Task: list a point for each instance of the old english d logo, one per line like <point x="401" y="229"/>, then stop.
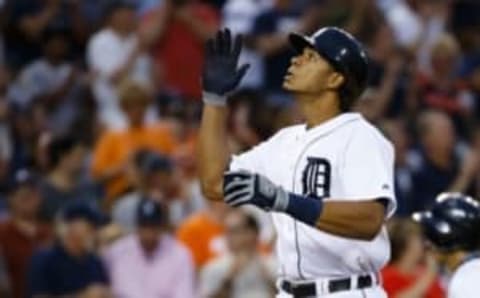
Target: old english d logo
<point x="316" y="177"/>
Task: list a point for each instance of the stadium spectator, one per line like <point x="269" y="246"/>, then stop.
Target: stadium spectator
<point x="396" y="132"/>
<point x="154" y="179"/>
<point x="442" y="89"/>
<point x="70" y="268"/>
<point x="175" y="30"/>
<point x="243" y="272"/>
<point x="22" y="233"/>
<point x="150" y="262"/>
<point x="4" y="283"/>
<point x="115" y="148"/>
<point x="270" y="38"/>
<point x="476" y="152"/>
<point x="415" y="23"/>
<point x="115" y="54"/>
<point x="387" y="74"/>
<point x="6" y="140"/>
<point x="239" y="16"/>
<point x="405" y="276"/>
<point x="26" y="22"/>
<point x="252" y="119"/>
<point x="203" y="233"/>
<point x="57" y="91"/>
<point x="441" y="163"/>
<point x="64" y="182"/>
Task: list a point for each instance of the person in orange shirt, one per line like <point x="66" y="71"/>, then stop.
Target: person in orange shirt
<point x="405" y="276"/>
<point x="203" y="233"/>
<point x="115" y="149"/>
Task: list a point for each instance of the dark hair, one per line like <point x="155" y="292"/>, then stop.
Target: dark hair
<point x="400" y="231"/>
<point x="59" y="147"/>
<point x="346" y="99"/>
<point x="110" y="6"/>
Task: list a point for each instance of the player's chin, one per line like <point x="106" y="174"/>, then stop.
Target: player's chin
<point x="287" y="84"/>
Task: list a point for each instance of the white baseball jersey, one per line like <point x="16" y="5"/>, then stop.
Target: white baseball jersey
<point x="345" y="158"/>
<point x="465" y="282"/>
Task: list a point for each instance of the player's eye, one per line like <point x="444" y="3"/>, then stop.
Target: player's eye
<point x="310" y="56"/>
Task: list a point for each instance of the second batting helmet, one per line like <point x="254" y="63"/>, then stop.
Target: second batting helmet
<point x="343" y="52"/>
<point x="453" y="222"/>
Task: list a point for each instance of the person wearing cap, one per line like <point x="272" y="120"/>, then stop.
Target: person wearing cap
<point x="328" y="182"/>
<point x="150" y="262"/>
<point x="22" y="233"/>
<point x="154" y="178"/>
<point x="70" y="268"/>
<point x="243" y="272"/>
<point x="63" y="184"/>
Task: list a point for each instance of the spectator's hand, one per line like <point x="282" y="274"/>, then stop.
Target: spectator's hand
<point x="221" y="74"/>
<point x="309" y="21"/>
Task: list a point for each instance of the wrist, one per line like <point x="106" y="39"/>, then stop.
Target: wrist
<point x="213" y="99"/>
<point x="304" y="208"/>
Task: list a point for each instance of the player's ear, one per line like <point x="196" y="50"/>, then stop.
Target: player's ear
<point x="335" y="80"/>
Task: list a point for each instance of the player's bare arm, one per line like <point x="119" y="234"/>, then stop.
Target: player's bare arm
<point x="220" y="76"/>
<point x="352" y="219"/>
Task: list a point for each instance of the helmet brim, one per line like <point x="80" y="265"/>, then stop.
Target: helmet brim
<point x="299" y="42"/>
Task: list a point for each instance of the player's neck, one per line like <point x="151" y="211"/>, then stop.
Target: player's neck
<point x="454" y="260"/>
<point x="318" y="109"/>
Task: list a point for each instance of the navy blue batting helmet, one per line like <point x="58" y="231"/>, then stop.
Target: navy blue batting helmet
<point x="343" y="52"/>
<point x="453" y="223"/>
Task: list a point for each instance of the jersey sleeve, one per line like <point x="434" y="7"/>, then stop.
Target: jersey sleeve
<point x="367" y="169"/>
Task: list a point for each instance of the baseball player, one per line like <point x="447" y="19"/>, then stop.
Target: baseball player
<point x="328" y="182"/>
<point x="452" y="226"/>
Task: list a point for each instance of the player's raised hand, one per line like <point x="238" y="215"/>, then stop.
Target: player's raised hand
<point x="221" y="73"/>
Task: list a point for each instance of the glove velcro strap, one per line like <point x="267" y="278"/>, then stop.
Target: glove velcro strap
<point x="281" y="200"/>
<point x="214" y="99"/>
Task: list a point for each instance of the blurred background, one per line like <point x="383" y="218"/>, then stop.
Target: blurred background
<point x="99" y="110"/>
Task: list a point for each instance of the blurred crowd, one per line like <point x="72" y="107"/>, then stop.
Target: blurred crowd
<point x="100" y="103"/>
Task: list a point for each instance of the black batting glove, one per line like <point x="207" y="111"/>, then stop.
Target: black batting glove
<point x="220" y="73"/>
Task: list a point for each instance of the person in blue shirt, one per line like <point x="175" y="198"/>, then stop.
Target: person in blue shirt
<point x="70" y="267"/>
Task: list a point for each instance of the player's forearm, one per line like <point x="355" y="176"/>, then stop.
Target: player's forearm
<point x="361" y="219"/>
<point x="353" y="219"/>
<point x="213" y="153"/>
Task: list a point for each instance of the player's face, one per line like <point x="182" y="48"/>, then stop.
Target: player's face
<point x="310" y="73"/>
